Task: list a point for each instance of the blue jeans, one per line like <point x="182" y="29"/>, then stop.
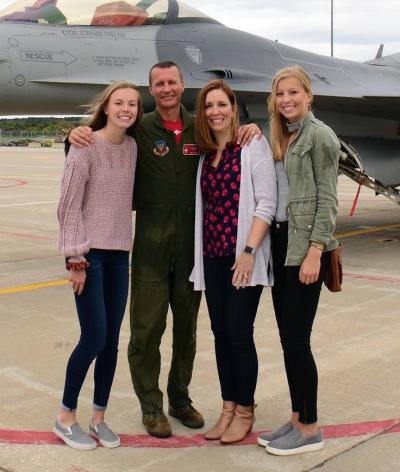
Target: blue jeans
<point x="101" y="308"/>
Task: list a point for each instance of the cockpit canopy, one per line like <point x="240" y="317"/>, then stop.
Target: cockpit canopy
<point x="98" y="13"/>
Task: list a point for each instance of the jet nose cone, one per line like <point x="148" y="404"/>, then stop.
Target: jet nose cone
<point x="3" y="55"/>
<point x="4" y="80"/>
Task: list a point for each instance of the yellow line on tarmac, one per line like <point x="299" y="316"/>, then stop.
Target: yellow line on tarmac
<point x="358" y="232"/>
<point x="58" y="283"/>
<point x="28" y="288"/>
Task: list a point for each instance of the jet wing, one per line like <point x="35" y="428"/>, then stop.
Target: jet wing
<point x="374" y="106"/>
<point x="379" y="158"/>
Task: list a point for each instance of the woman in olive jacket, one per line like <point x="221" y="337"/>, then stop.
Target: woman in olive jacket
<point x="306" y="152"/>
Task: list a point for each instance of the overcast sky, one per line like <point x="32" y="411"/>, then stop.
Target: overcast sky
<point x="360" y="26"/>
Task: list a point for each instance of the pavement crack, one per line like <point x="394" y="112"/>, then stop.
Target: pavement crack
<point x="345" y="451"/>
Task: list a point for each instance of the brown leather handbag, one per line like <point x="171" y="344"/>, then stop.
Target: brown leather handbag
<point x="334" y="276"/>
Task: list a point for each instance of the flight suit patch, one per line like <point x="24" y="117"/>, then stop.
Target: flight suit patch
<point x="160" y="148"/>
<point x="191" y="150"/>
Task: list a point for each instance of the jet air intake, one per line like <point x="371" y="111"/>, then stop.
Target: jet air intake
<point x="237" y="75"/>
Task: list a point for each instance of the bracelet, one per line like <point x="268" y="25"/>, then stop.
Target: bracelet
<point x="317" y="245"/>
<point x="77" y="265"/>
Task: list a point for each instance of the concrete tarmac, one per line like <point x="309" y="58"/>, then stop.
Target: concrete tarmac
<point x="355" y="342"/>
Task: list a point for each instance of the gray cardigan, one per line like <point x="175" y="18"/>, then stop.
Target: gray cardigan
<point x="258" y="196"/>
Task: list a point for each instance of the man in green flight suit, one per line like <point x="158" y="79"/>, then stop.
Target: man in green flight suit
<point x="162" y="257"/>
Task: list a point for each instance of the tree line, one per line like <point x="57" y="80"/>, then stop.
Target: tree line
<point x="36" y="124"/>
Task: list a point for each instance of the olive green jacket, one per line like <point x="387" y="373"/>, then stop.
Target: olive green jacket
<point x="311" y="165"/>
<point x="164" y="197"/>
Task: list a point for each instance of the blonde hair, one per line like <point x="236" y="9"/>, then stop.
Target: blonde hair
<point x="203" y="135"/>
<point x="279" y="134"/>
<point x="98" y="120"/>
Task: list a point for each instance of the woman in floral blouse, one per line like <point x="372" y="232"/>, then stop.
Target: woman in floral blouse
<point x="235" y="205"/>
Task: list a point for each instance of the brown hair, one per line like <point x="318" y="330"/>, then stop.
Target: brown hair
<point x="279" y="134"/>
<point x="203" y="135"/>
<point x="165" y="65"/>
<point x="98" y="120"/>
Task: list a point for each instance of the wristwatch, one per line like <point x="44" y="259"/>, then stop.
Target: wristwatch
<point x="249" y="250"/>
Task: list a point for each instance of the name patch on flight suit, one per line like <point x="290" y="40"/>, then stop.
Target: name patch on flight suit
<point x="160" y="148"/>
<point x="191" y="150"/>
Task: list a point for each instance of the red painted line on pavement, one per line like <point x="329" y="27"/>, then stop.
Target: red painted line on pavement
<point x="394" y="429"/>
<point x="197" y="440"/>
<point x="16" y="183"/>
<point x="392" y="280"/>
<point x="27" y="236"/>
<point x="359" y="429"/>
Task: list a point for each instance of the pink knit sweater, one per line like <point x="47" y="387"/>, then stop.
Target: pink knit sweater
<point x="95" y="207"/>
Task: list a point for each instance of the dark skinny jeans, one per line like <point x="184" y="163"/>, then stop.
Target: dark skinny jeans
<point x="232" y="314"/>
<point x="295" y="306"/>
<point x="101" y="308"/>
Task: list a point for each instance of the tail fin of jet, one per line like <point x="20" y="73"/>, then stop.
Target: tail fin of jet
<point x="380" y="52"/>
<point x="392" y="60"/>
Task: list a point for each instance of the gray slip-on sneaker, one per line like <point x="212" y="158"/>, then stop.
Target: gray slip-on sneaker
<point x="105" y="435"/>
<point x="75" y="437"/>
<point x="265" y="438"/>
<point x="294" y="442"/>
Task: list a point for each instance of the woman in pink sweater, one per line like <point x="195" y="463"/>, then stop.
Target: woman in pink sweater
<point x="95" y="218"/>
